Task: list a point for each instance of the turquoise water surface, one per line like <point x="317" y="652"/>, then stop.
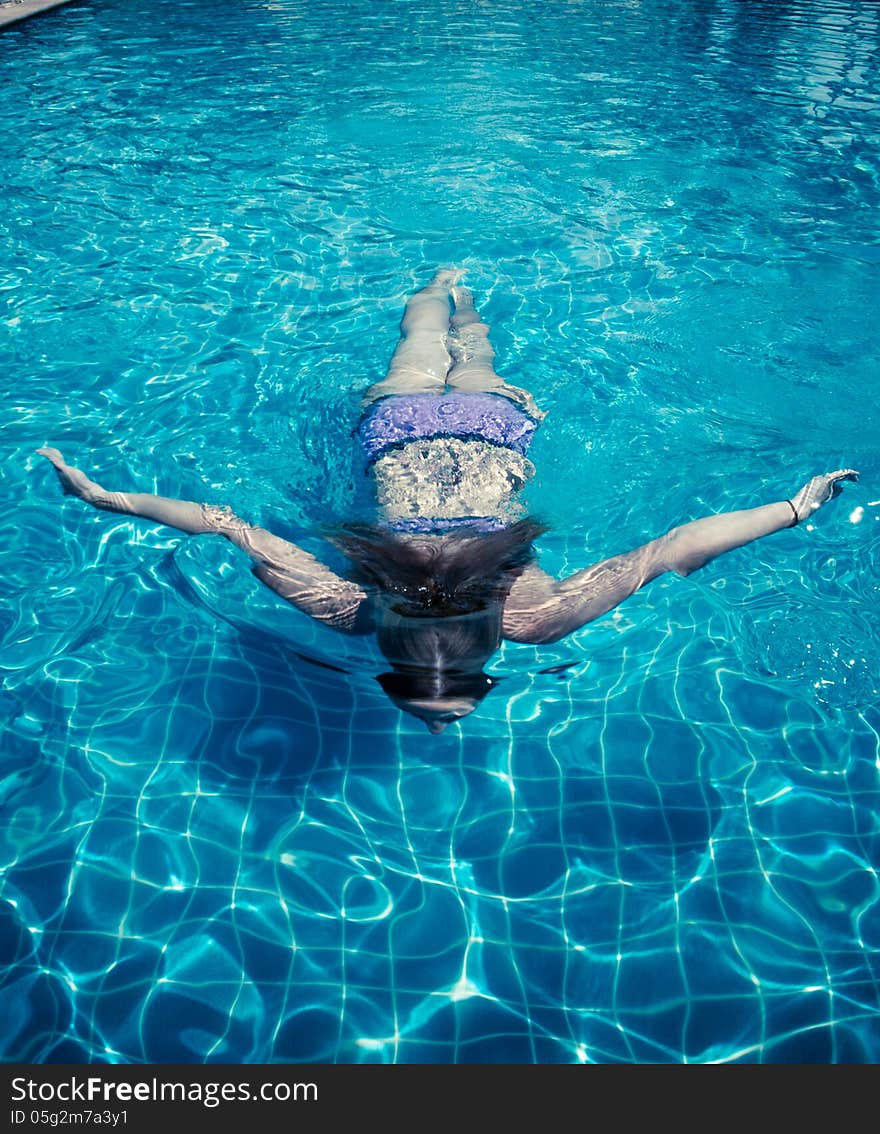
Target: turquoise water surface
<point x="656" y="840"/>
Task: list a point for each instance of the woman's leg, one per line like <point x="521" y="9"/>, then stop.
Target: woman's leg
<point x="421" y="360"/>
<point x="474" y="358"/>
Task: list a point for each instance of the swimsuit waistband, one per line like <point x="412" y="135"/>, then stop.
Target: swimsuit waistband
<point x="400" y="418"/>
<point x="429" y="525"/>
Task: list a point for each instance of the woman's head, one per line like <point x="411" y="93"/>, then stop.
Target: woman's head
<point x="435" y="696"/>
<point x="439" y="602"/>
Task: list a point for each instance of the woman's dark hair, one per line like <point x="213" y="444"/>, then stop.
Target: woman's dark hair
<point x="462" y="572"/>
<point x="448" y="598"/>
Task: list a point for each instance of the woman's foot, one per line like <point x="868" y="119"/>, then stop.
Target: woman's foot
<point x="446" y="278"/>
<point x="465" y="312"/>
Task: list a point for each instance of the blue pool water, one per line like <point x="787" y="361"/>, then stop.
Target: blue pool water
<point x="657" y="840"/>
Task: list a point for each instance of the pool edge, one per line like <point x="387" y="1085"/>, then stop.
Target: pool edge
<point x="27" y="8"/>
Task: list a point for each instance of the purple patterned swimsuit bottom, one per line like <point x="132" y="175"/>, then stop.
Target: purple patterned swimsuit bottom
<point x="443" y="461"/>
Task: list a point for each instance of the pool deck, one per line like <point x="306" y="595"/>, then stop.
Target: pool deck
<point x="11" y="11"/>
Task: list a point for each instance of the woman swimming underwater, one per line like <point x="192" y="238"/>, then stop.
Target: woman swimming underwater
<point x="448" y="570"/>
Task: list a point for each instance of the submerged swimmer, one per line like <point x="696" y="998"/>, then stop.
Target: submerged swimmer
<point x="448" y="569"/>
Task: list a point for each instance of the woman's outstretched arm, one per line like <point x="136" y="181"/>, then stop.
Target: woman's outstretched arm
<point x="541" y="609"/>
<point x="292" y="573"/>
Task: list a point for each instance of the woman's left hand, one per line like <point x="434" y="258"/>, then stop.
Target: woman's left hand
<point x="819" y="490"/>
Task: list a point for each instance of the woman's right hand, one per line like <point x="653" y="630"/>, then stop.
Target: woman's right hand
<point x="73" y="481"/>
